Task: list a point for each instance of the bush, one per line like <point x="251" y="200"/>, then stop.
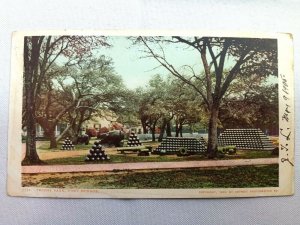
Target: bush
<point x="103" y="130"/>
<point x="91" y="132"/>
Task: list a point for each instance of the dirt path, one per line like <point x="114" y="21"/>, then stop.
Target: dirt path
<point x="146" y="165"/>
<point x="53" y="154"/>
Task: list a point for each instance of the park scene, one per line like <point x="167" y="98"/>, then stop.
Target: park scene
<point x="150" y="112"/>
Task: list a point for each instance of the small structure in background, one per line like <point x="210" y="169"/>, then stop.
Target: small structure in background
<point x="67" y="145"/>
<point x="96" y="153"/>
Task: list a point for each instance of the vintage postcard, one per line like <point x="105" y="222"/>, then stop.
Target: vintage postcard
<point x="151" y="114"/>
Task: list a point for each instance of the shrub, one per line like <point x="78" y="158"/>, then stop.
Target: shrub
<point x="103" y="130"/>
<point x="91" y="132"/>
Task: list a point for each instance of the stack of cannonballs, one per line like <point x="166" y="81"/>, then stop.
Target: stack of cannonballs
<point x="67" y="145"/>
<point x="203" y="141"/>
<point x="133" y="140"/>
<point x="96" y="153"/>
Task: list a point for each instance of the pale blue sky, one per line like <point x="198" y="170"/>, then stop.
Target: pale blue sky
<point x="137" y="71"/>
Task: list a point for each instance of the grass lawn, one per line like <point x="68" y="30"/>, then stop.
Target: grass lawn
<point x="77" y="156"/>
<point x="43" y="146"/>
<point x="129" y="158"/>
<point x="232" y="177"/>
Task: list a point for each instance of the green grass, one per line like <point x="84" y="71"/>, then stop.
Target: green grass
<point x="131" y="158"/>
<point x="233" y="177"/>
<point x="66" y="161"/>
<point x="126" y="158"/>
<point x="253" y="154"/>
<point x="44" y="147"/>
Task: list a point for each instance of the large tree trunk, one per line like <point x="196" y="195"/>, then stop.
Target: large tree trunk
<point x="168" y="129"/>
<point x="153" y="131"/>
<point x="75" y="133"/>
<point x="177" y="129"/>
<point x="53" y="142"/>
<point x="180" y="129"/>
<point x="153" y="134"/>
<point x="212" y="144"/>
<point x="31" y="156"/>
<point x="49" y="130"/>
<point x="144" y="125"/>
<point x="31" y="63"/>
<point x="162" y="130"/>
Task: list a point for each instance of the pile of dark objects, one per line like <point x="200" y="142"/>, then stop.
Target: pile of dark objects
<point x="67" y="145"/>
<point x="97" y="153"/>
<point x="133" y="140"/>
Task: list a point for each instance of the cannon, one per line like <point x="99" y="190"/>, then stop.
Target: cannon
<point x="112" y="138"/>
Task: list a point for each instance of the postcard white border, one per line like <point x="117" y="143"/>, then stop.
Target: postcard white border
<point x="286" y="171"/>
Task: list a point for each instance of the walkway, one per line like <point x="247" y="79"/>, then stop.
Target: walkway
<point x="146" y="165"/>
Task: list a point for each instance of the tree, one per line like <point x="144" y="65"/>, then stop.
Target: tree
<point x="257" y="104"/>
<point x="86" y="91"/>
<point x="40" y="52"/>
<point x="128" y="113"/>
<point x="167" y="100"/>
<point x="223" y="60"/>
<point x="154" y="106"/>
<point x="185" y="105"/>
<point x="51" y="104"/>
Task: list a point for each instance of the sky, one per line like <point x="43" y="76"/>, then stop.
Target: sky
<point x="130" y="63"/>
<point x="137" y="71"/>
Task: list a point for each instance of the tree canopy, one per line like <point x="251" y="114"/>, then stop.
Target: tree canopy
<point x="223" y="59"/>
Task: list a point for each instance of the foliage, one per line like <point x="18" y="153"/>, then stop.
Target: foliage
<point x="92" y="132"/>
<point x="166" y="101"/>
<point x="40" y="53"/>
<point x="250" y="102"/>
<point x="223" y="60"/>
<point x="103" y="130"/>
<point x="96" y="89"/>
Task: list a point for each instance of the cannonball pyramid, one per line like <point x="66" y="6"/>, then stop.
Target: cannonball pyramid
<point x="67" y="145"/>
<point x="96" y="153"/>
<point x="173" y="144"/>
<point x="203" y="141"/>
<point x="133" y="140"/>
<point x="245" y="139"/>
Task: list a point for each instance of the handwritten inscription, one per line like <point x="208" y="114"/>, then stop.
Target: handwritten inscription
<point x="285" y="130"/>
